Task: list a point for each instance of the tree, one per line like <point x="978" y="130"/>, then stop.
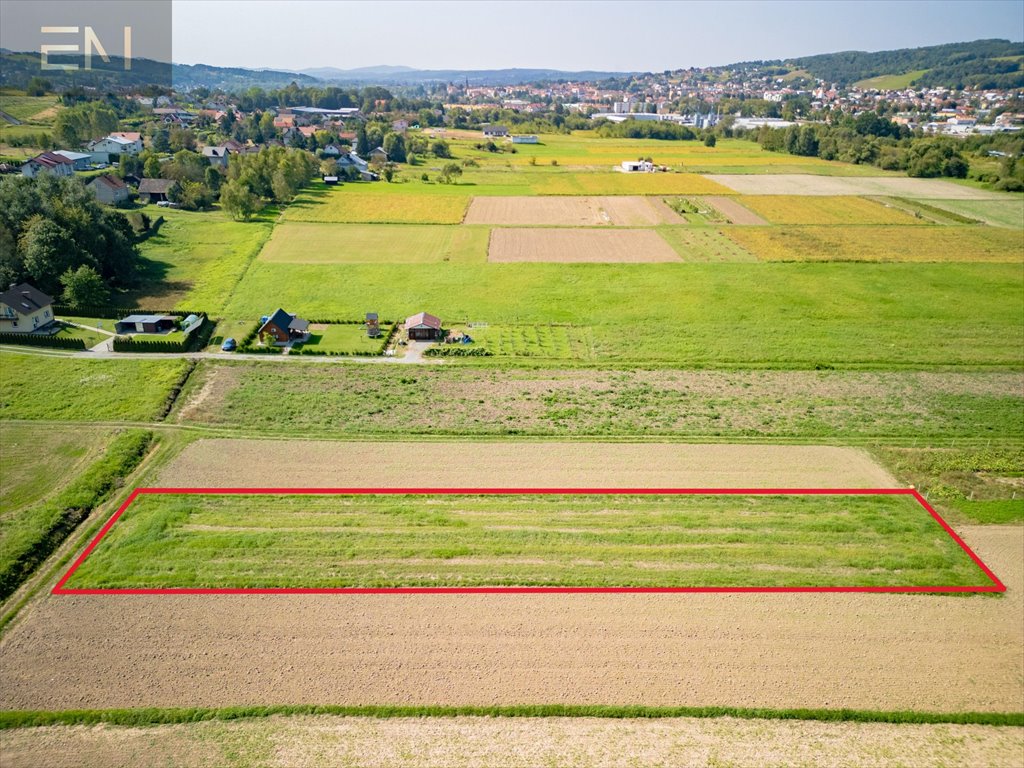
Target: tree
<point x="710" y="140"/>
<point x="362" y="142"/>
<point x="450" y="171"/>
<point x="328" y="167"/>
<point x="394" y="145"/>
<point x="193" y="196"/>
<point x="48" y="250"/>
<point x="389" y="171"/>
<point x="38" y="86"/>
<point x="152" y="167"/>
<point x="212" y="179"/>
<point x="440" y="148"/>
<point x="84" y="287"/>
<point x="238" y="200"/>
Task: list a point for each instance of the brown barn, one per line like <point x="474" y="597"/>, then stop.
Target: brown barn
<point x="282" y="328"/>
<point x="423" y="327"/>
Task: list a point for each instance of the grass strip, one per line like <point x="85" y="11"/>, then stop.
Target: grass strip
<point x="30" y="538"/>
<point x="156" y="716"/>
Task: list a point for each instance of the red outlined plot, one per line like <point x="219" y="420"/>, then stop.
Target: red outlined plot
<point x="995" y="584"/>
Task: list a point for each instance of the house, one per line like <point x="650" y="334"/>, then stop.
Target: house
<point x="423" y="327"/>
<point x="24" y="309"/>
<point x="109" y="189"/>
<point x="378" y="155"/>
<point x="525" y="140"/>
<point x="127" y="143"/>
<point x="332" y="150"/>
<point x="79" y="160"/>
<point x="156" y="190"/>
<point x="399" y="126"/>
<point x="146" y="324"/>
<point x="495" y="131"/>
<point x="218" y="156"/>
<point x="308" y="131"/>
<point x="48" y="163"/>
<point x="283" y="328"/>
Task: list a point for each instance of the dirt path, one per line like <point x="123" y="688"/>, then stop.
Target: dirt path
<point x="862" y="651"/>
<point x="323" y="463"/>
<point x="514" y="743"/>
<point x="732" y="210"/>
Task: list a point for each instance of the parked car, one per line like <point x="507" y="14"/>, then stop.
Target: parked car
<point x="229" y="345"/>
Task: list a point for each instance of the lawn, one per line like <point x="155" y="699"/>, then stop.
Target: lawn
<point x="500" y="399"/>
<point x="349" y="338"/>
<point x="307" y="243"/>
<point x="517" y="540"/>
<point x="76" y="389"/>
<point x="697" y="314"/>
<point x="91" y="338"/>
<point x="953" y="243"/>
<point x="196" y="258"/>
<point x="24" y="108"/>
<point x="840" y="209"/>
<point x="412" y="203"/>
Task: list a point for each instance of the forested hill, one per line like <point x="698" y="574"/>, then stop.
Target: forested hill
<point x="981" y="64"/>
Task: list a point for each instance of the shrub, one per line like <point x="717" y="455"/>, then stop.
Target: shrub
<point x="32" y="340"/>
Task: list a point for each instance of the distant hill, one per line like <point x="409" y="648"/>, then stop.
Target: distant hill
<point x="979" y="64"/>
<point x="397" y="75"/>
<point x="235" y="78"/>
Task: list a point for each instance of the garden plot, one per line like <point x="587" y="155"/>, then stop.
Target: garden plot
<point x="628" y="211"/>
<point x="898" y="186"/>
<point x="567" y="246"/>
<point x="733" y="211"/>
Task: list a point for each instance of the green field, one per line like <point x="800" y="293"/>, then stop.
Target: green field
<point x="890" y="82"/>
<point x="560" y="342"/>
<point x="697" y="314"/>
<point x="307" y="243"/>
<point x="486" y="399"/>
<point x="375" y="541"/>
<point x="704" y="244"/>
<point x="74" y="389"/>
<point x="998" y="213"/>
<point x="24" y="108"/>
<point x="195" y="259"/>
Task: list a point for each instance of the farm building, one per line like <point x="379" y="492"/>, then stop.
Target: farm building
<point x="79" y="160"/>
<point x="283" y="328"/>
<point x="145" y="324"/>
<point x="637" y="166"/>
<point x="24" y="309"/>
<point x="156" y="190"/>
<point x="109" y="189"/>
<point x="495" y="131"/>
<point x="423" y="327"/>
<point x="525" y="140"/>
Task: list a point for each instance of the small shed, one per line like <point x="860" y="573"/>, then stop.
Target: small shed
<point x="330" y="180"/>
<point x="372" y="325"/>
<point x="145" y="324"/>
<point x="283" y="328"/>
<point x="156" y="190"/>
<point x="423" y="327"/>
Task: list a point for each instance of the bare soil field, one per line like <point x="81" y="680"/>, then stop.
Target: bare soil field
<point x="570" y="246"/>
<point x="805" y="184"/>
<point x="514" y="743"/>
<point x="732" y="210"/>
<point x="221" y="463"/>
<point x="861" y="651"/>
<point x="628" y="211"/>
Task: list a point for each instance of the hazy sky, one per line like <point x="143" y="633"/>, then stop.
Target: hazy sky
<point x="643" y="35"/>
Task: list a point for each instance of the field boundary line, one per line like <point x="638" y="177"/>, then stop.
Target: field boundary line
<point x="995" y="585"/>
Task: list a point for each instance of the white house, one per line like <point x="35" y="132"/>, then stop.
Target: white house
<point x="116" y="144"/>
<point x="48" y="163"/>
<point x="495" y="131"/>
<point x="24" y="309"/>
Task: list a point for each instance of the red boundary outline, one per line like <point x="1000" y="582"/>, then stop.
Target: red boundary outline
<point x="60" y="589"/>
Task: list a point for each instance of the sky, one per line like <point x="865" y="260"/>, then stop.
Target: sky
<point x="624" y="35"/>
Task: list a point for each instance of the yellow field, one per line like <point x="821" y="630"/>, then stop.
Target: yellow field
<point x="844" y="209"/>
<point x="358" y="207"/>
<point x="893" y="243"/>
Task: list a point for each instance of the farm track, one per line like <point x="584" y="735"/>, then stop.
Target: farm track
<point x="861" y="651"/>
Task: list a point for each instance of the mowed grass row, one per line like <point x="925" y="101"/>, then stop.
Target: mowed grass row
<point x="673" y="541"/>
<point x="308" y="243"/>
<point x="881" y="243"/>
<point x="75" y="389"/>
<point x="490" y="400"/>
<point x="706" y="314"/>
